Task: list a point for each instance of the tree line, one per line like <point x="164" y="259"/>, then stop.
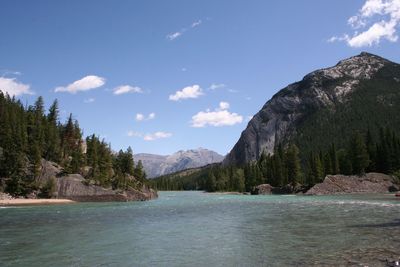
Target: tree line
<point x="30" y="134"/>
<point x="363" y="153"/>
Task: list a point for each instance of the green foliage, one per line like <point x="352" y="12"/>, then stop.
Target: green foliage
<point x="28" y="135"/>
<point x="285" y="167"/>
<point x="49" y="189"/>
<point x="358" y="154"/>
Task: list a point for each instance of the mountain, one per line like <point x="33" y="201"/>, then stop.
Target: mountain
<point x="360" y="93"/>
<point x="157" y="165"/>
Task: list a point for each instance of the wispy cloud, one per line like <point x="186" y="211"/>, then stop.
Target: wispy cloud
<point x="375" y="21"/>
<point x="193" y="91"/>
<point x="13" y="87"/>
<point x="196" y="23"/>
<point x="141" y="117"/>
<point x="85" y="84"/>
<point x="219" y="117"/>
<point x="156" y="135"/>
<point x="89" y="100"/>
<point x="150" y="136"/>
<point x="174" y="35"/>
<point x="216" y="86"/>
<point x="6" y="72"/>
<point x="124" y="89"/>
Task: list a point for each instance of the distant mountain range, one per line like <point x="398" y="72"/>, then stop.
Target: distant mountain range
<point x="157" y="165"/>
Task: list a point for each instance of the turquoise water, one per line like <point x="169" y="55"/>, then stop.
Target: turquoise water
<point x="198" y="229"/>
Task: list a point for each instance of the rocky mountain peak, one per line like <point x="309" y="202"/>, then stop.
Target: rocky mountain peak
<point x="156" y="165"/>
<point x="361" y="66"/>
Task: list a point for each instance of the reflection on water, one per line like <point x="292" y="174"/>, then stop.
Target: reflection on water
<point x="198" y="229"/>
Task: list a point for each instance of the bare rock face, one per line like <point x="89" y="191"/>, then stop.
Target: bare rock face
<point x="73" y="187"/>
<point x="279" y="119"/>
<point x="48" y="170"/>
<point x="262" y="189"/>
<point x="341" y="184"/>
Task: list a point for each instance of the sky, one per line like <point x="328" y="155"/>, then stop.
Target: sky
<point x="162" y="76"/>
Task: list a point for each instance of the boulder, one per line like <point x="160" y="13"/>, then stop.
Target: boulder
<point x="342" y="184"/>
<point x="262" y="189"/>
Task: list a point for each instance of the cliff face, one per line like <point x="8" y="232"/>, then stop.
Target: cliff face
<point x="304" y="110"/>
<point x="156" y="165"/>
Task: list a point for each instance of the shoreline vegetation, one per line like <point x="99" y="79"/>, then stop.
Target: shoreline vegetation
<point x="43" y="158"/>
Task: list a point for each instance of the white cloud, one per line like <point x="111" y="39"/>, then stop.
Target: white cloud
<point x="174" y="35"/>
<point x="223" y="105"/>
<point x="219" y="117"/>
<point x="196" y="23"/>
<point x="150" y="136"/>
<point x="89" y="100"/>
<point x="124" y="89"/>
<point x="156" y="135"/>
<point x="141" y="117"/>
<point x="374" y="34"/>
<point x="378" y="19"/>
<point x="215" y="86"/>
<point x="134" y="134"/>
<point x="193" y="91"/>
<point x="13" y="87"/>
<point x="86" y="83"/>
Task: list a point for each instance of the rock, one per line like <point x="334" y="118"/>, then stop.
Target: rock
<point x="73" y="187"/>
<point x="290" y="189"/>
<point x="48" y="170"/>
<point x="262" y="189"/>
<point x="5" y="196"/>
<point x="341" y="184"/>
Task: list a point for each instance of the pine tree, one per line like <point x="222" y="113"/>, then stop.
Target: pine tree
<point x="139" y="172"/>
<point x="359" y="154"/>
<point x="293" y="164"/>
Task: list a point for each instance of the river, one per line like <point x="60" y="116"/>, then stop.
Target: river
<point x="199" y="229"/>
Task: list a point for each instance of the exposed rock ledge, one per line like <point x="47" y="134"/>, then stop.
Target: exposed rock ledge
<point x="73" y="187"/>
<point x="341" y="184"/>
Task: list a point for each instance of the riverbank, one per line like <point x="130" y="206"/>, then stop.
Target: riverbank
<point x="28" y="202"/>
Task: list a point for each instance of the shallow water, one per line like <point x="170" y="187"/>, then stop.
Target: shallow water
<point x="198" y="229"/>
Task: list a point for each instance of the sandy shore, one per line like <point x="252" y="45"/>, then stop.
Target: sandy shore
<point x="23" y="202"/>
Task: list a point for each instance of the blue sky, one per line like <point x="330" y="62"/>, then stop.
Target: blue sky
<point x="161" y="76"/>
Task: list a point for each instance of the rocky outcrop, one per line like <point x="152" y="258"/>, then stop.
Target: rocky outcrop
<point x="262" y="189"/>
<point x="341" y="184"/>
<point x="74" y="187"/>
<point x="281" y="119"/>
<point x="267" y="189"/>
<point x="157" y="165"/>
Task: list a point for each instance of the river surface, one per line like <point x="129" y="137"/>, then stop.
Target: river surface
<point x="199" y="229"/>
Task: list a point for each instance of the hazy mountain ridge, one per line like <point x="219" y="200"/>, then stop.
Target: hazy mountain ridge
<point x="157" y="165"/>
<point x="327" y="102"/>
